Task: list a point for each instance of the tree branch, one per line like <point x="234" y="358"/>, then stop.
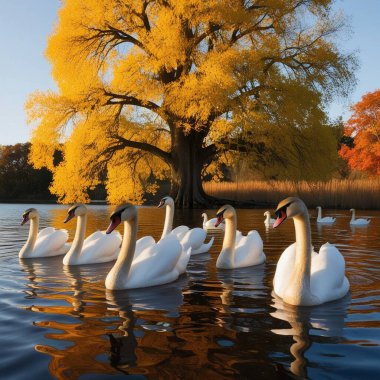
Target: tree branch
<point x="146" y="147"/>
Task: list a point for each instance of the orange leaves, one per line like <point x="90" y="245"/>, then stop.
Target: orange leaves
<point x="364" y="127"/>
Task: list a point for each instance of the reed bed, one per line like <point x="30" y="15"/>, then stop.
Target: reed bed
<point x="360" y="194"/>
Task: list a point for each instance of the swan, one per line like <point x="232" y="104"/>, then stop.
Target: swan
<point x="326" y="219"/>
<point x="238" y="253"/>
<point x="193" y="238"/>
<point x="209" y="224"/>
<point x="99" y="247"/>
<point x="268" y="220"/>
<point x="358" y="222"/>
<point x="156" y="265"/>
<point x="46" y="243"/>
<point x="303" y="277"/>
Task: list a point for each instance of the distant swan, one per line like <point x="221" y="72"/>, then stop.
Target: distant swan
<point x="359" y="221"/>
<point x="268" y="220"/>
<point x="326" y="219"/>
<point x="96" y="248"/>
<point x="193" y="238"/>
<point x="238" y="253"/>
<point x="48" y="242"/>
<point x="155" y="266"/>
<point x="303" y="277"/>
<point x="209" y="224"/>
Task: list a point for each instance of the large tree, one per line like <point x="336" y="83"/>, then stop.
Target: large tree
<point x="150" y="88"/>
<point x="362" y="131"/>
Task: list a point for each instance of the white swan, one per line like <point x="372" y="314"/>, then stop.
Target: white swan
<point x="302" y="276"/>
<point x="193" y="238"/>
<point x="359" y="221"/>
<point x="268" y="220"/>
<point x="209" y="224"/>
<point x="238" y="253"/>
<point x="99" y="247"/>
<point x="48" y="242"/>
<point x="326" y="219"/>
<point x="156" y="265"/>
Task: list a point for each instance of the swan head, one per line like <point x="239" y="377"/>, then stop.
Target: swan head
<point x="122" y="213"/>
<point x="266" y="213"/>
<point x="166" y="201"/>
<point x="29" y="214"/>
<point x="225" y="212"/>
<point x="78" y="209"/>
<point x="289" y="208"/>
<point x="352" y="209"/>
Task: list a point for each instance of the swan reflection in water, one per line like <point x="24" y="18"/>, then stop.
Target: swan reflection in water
<point x="326" y="320"/>
<point x="241" y="290"/>
<point x="154" y="308"/>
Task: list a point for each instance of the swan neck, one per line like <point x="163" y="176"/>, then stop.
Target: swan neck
<point x="267" y="220"/>
<point x="319" y="213"/>
<point x="169" y="215"/>
<point x="353" y="215"/>
<point x="205" y="218"/>
<point x="303" y="247"/>
<point x="226" y="257"/>
<point x="27" y="249"/>
<point x="80" y="233"/>
<point x="127" y="251"/>
<point x="299" y="292"/>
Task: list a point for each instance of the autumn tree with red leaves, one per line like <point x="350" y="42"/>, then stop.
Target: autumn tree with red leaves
<point x="364" y="128"/>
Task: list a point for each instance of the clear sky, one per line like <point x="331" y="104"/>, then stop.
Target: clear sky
<point x="26" y="25"/>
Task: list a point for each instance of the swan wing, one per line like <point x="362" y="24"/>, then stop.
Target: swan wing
<point x="249" y="251"/>
<point x="210" y="225"/>
<point x="328" y="280"/>
<point x="360" y="221"/>
<point x="326" y="219"/>
<point x="204" y="247"/>
<point x="50" y="243"/>
<point x="156" y="265"/>
<point x="284" y="269"/>
<point x="100" y="248"/>
<point x="142" y="244"/>
<point x="239" y="236"/>
<point x="45" y="232"/>
<point x="194" y="238"/>
<point x="180" y="231"/>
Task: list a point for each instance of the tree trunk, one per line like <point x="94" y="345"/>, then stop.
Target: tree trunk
<point x="187" y="164"/>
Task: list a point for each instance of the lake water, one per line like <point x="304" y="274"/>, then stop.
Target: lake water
<point x="58" y="322"/>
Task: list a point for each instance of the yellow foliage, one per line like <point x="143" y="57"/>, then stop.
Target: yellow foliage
<point x="132" y="73"/>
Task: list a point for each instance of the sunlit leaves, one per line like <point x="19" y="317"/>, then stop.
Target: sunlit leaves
<point x="244" y="74"/>
<point x="364" y="127"/>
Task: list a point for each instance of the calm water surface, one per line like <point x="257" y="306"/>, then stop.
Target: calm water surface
<point x="59" y="322"/>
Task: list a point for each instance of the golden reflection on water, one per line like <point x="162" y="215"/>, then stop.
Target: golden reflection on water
<point x="213" y="324"/>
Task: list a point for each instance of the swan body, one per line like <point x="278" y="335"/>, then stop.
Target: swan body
<point x="359" y="221"/>
<point x="189" y="238"/>
<point x="157" y="264"/>
<point x="99" y="247"/>
<point x="145" y="242"/>
<point x="303" y="277"/>
<point x="326" y="219"/>
<point x="46" y="243"/>
<point x="268" y="220"/>
<point x="238" y="251"/>
<point x="209" y="224"/>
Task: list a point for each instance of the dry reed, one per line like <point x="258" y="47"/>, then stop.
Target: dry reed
<point x="360" y="194"/>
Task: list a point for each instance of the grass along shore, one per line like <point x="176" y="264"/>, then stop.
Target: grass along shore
<point x="360" y="194"/>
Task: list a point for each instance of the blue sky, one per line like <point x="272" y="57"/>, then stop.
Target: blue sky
<point x="24" y="69"/>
